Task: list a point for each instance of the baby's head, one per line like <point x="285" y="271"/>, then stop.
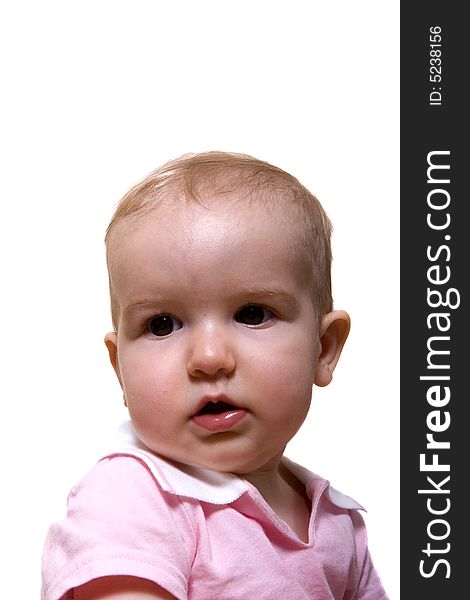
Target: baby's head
<point x="241" y="181"/>
<point x="219" y="268"/>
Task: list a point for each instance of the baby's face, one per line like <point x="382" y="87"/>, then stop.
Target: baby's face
<point x="218" y="343"/>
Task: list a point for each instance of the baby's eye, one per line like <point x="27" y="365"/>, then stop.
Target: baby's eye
<point x="162" y="325"/>
<point x="253" y="314"/>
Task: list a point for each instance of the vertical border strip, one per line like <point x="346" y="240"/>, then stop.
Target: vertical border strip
<point x="434" y="297"/>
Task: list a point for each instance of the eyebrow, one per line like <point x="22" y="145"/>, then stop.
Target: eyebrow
<point x="146" y="303"/>
<point x="259" y="294"/>
<point x="251" y="294"/>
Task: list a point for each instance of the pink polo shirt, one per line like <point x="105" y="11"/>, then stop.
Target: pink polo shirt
<point x="204" y="535"/>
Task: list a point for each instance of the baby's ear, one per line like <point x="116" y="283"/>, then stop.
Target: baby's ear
<point x="110" y="339"/>
<point x="334" y="330"/>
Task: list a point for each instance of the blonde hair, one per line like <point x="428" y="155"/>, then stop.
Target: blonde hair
<point x="196" y="177"/>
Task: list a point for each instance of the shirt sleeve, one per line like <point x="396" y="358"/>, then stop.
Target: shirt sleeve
<point x="119" y="522"/>
<point x="369" y="585"/>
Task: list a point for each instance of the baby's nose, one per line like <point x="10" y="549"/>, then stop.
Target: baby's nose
<point x="211" y="352"/>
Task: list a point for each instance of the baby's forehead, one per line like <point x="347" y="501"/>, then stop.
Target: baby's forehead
<point x="234" y="213"/>
<point x="183" y="221"/>
<point x="227" y="257"/>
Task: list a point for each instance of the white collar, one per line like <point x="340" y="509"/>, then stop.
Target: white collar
<point x="204" y="484"/>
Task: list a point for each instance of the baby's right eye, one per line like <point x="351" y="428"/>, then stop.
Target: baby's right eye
<point x="163" y="325"/>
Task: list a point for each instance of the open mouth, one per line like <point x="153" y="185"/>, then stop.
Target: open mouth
<point x="216" y="408"/>
<point x="217" y="415"/>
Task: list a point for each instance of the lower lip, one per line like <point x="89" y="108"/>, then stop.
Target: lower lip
<point x="222" y="421"/>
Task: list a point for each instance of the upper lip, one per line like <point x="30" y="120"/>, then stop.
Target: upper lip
<point x="214" y="399"/>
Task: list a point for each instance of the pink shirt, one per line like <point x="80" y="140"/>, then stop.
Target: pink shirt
<point x="204" y="535"/>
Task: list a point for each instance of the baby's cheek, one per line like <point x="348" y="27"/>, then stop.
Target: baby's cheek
<point x="293" y="366"/>
<point x="152" y="393"/>
<point x="292" y="388"/>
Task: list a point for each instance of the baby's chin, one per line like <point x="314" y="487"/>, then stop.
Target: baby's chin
<point x="216" y="459"/>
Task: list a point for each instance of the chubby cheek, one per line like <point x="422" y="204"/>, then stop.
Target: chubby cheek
<point x="147" y="388"/>
<point x="284" y="381"/>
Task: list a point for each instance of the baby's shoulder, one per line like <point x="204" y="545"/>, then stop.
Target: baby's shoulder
<point x="119" y="484"/>
<point x="119" y="501"/>
<point x="118" y="521"/>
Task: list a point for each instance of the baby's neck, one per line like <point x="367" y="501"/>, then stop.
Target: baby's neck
<point x="286" y="495"/>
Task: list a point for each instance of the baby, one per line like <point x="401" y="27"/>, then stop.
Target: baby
<point x="219" y="271"/>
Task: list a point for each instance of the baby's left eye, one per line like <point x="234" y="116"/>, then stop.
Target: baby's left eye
<point x="253" y="314"/>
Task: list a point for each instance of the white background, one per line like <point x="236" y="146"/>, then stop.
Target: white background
<point x="98" y="93"/>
